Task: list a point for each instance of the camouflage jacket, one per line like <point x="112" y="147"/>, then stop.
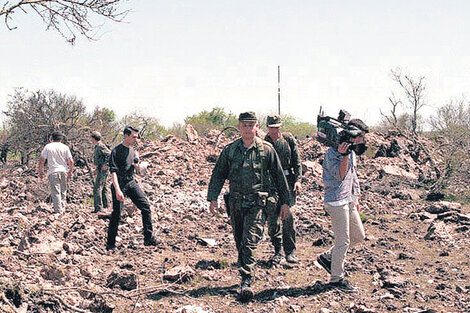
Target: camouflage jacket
<point x="249" y="170"/>
<point x="286" y="148"/>
<point x="101" y="155"/>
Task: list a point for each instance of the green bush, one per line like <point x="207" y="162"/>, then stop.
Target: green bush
<point x="217" y="118"/>
<point x="300" y="130"/>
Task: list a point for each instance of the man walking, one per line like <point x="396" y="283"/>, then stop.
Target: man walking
<point x="60" y="165"/>
<point x="286" y="148"/>
<point x="4" y="153"/>
<point x="100" y="159"/>
<point x="122" y="164"/>
<point x="253" y="169"/>
<point x="341" y="203"/>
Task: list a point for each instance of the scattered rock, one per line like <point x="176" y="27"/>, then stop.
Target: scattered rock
<point x="438" y="231"/>
<point x="58" y="252"/>
<point x="312" y="166"/>
<point x="208" y="265"/>
<point x="179" y="274"/>
<point x="191" y="309"/>
<point x="394" y="281"/>
<point x="191" y="134"/>
<point x="207" y="241"/>
<point x="125" y="280"/>
<point x="443" y="206"/>
<point x="396" y="171"/>
<point x="100" y="306"/>
<point x="359" y="308"/>
<point x="53" y="273"/>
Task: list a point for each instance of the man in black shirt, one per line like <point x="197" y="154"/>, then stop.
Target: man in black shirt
<point x="122" y="163"/>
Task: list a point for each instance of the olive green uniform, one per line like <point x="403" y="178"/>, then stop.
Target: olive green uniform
<point x="252" y="173"/>
<point x="100" y="192"/>
<point x="288" y="153"/>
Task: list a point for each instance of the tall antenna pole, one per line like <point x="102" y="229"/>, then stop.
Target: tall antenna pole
<point x="279" y="90"/>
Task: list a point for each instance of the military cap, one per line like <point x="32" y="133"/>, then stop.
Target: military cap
<point x="247" y="116"/>
<point x="96" y="135"/>
<point x="273" y="120"/>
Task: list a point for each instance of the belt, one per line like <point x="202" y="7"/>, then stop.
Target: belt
<point x="245" y="197"/>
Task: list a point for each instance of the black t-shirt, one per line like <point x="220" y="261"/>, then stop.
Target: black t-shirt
<point x="120" y="162"/>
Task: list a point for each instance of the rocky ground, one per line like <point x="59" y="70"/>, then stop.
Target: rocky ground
<point x="415" y="257"/>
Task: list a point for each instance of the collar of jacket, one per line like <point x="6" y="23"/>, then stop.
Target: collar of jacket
<point x="257" y="142"/>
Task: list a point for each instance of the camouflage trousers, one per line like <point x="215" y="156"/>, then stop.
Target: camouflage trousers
<point x="247" y="226"/>
<point x="281" y="236"/>
<point x="100" y="192"/>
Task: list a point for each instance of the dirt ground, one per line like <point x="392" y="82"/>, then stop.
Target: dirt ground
<point x="415" y="257"/>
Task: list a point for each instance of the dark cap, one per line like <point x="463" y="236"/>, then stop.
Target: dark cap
<point x="247" y="116"/>
<point x="96" y="135"/>
<point x="359" y="124"/>
<point x="273" y="120"/>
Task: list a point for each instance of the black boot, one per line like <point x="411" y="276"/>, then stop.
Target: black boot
<point x="246" y="293"/>
<point x="276" y="259"/>
<point x="151" y="241"/>
<point x="110" y="246"/>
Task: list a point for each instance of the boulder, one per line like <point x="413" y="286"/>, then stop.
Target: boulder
<point x="312" y="166"/>
<point x="179" y="274"/>
<point x="125" y="280"/>
<point x="397" y="171"/>
<point x="191" y="134"/>
<point x="443" y="206"/>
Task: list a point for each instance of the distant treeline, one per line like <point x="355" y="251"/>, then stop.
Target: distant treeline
<point x="31" y="116"/>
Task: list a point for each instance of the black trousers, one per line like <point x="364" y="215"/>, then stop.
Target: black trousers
<point x="133" y="191"/>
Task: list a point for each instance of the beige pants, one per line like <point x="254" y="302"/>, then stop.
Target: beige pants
<point x="58" y="183"/>
<point x="348" y="231"/>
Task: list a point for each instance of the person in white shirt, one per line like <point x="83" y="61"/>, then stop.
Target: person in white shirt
<point x="60" y="165"/>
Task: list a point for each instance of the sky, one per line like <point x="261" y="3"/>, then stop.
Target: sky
<point x="174" y="58"/>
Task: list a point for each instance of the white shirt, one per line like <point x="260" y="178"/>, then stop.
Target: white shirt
<point x="56" y="154"/>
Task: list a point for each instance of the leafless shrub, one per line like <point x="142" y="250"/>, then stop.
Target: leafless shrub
<point x="67" y="17"/>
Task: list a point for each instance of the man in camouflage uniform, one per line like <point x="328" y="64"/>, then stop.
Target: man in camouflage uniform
<point x="4" y="153"/>
<point x="100" y="159"/>
<point x="286" y="148"/>
<point x="253" y="169"/>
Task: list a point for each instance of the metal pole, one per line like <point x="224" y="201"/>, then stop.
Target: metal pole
<point x="279" y="90"/>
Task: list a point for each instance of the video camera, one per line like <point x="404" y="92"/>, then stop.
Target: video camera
<point x="332" y="132"/>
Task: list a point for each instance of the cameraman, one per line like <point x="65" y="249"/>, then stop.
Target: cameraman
<point x="341" y="203"/>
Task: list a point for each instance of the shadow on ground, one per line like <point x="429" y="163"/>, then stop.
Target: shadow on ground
<point x="262" y="296"/>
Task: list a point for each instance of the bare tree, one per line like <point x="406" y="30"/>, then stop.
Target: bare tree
<point x="413" y="89"/>
<point x="67" y="17"/>
<point x="407" y="124"/>
<point x="32" y="116"/>
<point x="392" y="119"/>
<point x="150" y="127"/>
